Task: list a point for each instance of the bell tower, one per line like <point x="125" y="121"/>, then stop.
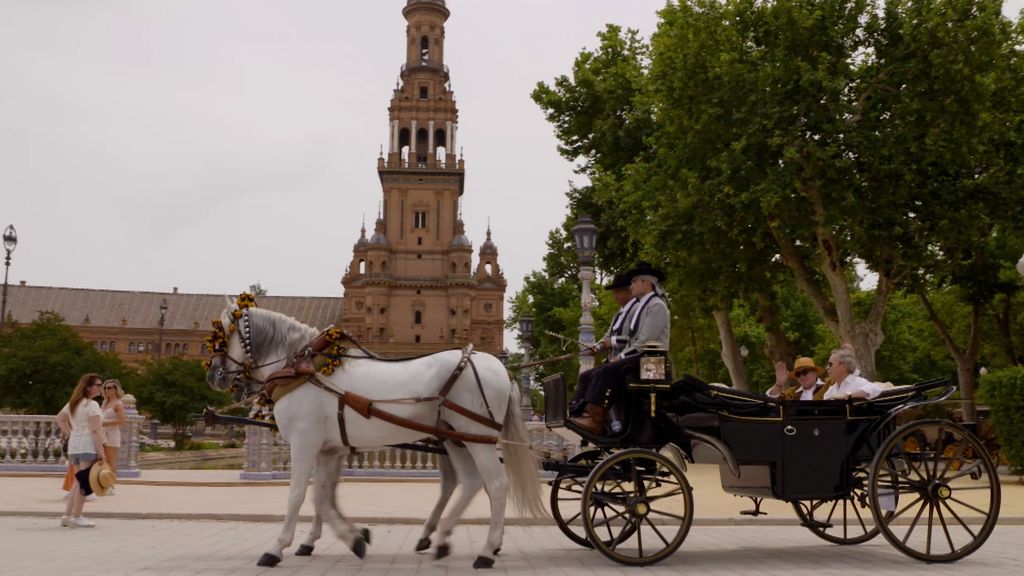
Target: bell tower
<point x="412" y="287"/>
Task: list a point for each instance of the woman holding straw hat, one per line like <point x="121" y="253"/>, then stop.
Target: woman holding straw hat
<point x="80" y="420"/>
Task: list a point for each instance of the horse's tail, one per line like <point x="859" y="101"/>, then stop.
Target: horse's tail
<point x="520" y="463"/>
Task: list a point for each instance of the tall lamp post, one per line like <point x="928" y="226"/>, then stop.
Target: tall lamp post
<point x="525" y="331"/>
<point x="585" y="235"/>
<point x="160" y="339"/>
<point x="10" y="243"/>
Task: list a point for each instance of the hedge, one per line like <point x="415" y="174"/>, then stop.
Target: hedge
<point x="1003" y="391"/>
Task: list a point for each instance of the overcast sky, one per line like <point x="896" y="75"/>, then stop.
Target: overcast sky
<point x="211" y="144"/>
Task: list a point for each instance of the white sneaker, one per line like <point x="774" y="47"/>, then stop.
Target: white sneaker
<point x="64" y="521"/>
<point x="81" y="522"/>
<point x="90" y="498"/>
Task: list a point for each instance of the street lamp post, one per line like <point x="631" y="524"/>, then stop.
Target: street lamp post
<point x="160" y="339"/>
<point x="585" y="235"/>
<point x="10" y="243"/>
<point x="525" y="331"/>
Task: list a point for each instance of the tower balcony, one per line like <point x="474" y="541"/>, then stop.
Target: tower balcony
<point x="424" y="66"/>
<point x="395" y="161"/>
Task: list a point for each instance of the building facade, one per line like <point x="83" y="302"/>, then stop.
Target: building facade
<point x="129" y="324"/>
<point x="412" y="286"/>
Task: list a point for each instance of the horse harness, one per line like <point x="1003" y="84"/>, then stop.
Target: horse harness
<point x="302" y="369"/>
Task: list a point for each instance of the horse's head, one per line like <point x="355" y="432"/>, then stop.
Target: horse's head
<point x="248" y="343"/>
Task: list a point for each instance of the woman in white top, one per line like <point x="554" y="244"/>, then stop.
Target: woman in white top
<point x="842" y="368"/>
<point x="113" y="418"/>
<point x="80" y="422"/>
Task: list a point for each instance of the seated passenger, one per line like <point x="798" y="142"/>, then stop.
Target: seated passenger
<point x="842" y="370"/>
<point x="647" y="322"/>
<point x="808" y="377"/>
<point x="613" y="340"/>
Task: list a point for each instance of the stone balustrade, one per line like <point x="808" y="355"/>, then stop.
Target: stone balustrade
<point x="31" y="443"/>
<point x="267" y="457"/>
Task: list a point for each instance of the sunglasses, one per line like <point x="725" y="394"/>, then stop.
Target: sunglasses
<point x="803" y="373"/>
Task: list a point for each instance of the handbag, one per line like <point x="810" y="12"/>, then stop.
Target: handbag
<point x="69" y="478"/>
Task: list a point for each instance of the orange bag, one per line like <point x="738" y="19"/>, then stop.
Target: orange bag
<point x="69" y="478"/>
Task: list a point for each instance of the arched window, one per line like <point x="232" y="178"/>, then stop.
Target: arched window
<point x="487" y="268"/>
<point x="113" y="346"/>
<point x="453" y="268"/>
<point x="362" y="266"/>
<point x="103" y="346"/>
<point x="177" y="348"/>
<point x="184" y="348"/>
<point x="167" y="348"/>
<point x="417" y="317"/>
<point x="424" y="49"/>
<point x="131" y="348"/>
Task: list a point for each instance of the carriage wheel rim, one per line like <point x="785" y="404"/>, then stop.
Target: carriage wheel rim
<point x="647" y="505"/>
<point x="942" y="486"/>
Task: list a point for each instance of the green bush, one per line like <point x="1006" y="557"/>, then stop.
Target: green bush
<point x="1003" y="391"/>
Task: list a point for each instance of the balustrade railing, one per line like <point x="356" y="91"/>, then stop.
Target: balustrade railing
<point x="267" y="457"/>
<point x="32" y="443"/>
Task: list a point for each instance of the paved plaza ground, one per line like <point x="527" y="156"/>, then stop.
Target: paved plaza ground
<point x="210" y="523"/>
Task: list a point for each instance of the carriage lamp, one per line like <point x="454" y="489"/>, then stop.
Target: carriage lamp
<point x="10" y="243"/>
<point x="585" y="235"/>
<point x="525" y="326"/>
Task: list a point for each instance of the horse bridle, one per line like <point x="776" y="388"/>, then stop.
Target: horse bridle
<point x="217" y="343"/>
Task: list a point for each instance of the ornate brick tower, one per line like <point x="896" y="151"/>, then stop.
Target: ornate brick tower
<point x="411" y="286"/>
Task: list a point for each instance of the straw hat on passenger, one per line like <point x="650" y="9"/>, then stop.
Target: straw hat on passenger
<point x="803" y="363"/>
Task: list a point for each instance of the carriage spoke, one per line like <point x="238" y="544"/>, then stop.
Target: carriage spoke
<point x="931" y="524"/>
<point x="938" y="454"/>
<point x="640" y="542"/>
<point x="905" y="508"/>
<point x="656" y="531"/>
<point x="675" y="492"/>
<point x="966" y="472"/>
<point x="667" y="514"/>
<point x="966" y="505"/>
<point x="959" y="520"/>
<point x="945" y="530"/>
<point x="914" y="523"/>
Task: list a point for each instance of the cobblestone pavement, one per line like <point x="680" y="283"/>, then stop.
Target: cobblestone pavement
<point x="39" y="546"/>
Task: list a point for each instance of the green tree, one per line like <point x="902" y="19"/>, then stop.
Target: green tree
<point x="173" y="390"/>
<point x="40" y="363"/>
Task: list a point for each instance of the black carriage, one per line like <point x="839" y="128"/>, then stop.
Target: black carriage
<point x="850" y="469"/>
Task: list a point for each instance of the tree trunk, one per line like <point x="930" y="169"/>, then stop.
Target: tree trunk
<point x="966" y="359"/>
<point x="734" y="361"/>
<point x="1003" y="325"/>
<point x="777" y="345"/>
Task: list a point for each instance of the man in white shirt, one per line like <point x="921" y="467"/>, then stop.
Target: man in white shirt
<point x="842" y="368"/>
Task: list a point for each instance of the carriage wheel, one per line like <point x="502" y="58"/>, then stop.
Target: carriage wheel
<point x="841" y="520"/>
<point x="637" y="507"/>
<point x="566" y="495"/>
<point x="934" y="491"/>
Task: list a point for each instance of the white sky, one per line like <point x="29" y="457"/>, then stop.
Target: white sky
<point x="211" y="144"/>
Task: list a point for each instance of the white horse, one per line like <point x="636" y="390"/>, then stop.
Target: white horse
<point x="308" y="419"/>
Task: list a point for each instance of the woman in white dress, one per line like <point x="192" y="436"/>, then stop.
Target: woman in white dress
<point x="80" y="421"/>
<point x="113" y="418"/>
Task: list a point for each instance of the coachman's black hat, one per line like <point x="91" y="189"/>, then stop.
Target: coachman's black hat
<point x="645" y="269"/>
<point x="619" y="281"/>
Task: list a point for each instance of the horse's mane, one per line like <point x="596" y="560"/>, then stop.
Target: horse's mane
<point x="274" y="331"/>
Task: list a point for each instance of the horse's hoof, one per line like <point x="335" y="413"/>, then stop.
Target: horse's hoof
<point x="422" y="544"/>
<point x="359" y="547"/>
<point x="304" y="550"/>
<point x="365" y="533"/>
<point x="268" y="559"/>
<point x="442" y="551"/>
<point x="483" y="562"/>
